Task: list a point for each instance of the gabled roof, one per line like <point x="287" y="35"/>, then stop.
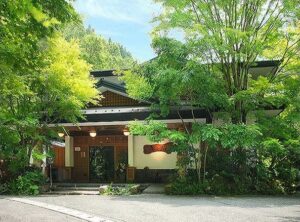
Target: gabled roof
<point x="263" y="63"/>
<point x="114" y="86"/>
<point x="107" y="80"/>
<point x="266" y="63"/>
<point x="141" y="115"/>
<point x="104" y="73"/>
<point x="123" y="116"/>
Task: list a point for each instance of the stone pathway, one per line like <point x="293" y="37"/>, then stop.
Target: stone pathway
<point x="74" y="189"/>
<point x="155" y="189"/>
<point x="73" y="192"/>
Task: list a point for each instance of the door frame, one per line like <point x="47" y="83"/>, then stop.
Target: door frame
<point x="85" y="142"/>
<point x="114" y="158"/>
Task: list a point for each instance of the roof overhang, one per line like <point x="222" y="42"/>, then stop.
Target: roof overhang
<point x="110" y="110"/>
<point x="57" y="143"/>
<point x="116" y="123"/>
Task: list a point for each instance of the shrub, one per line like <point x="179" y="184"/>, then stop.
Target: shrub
<point x="117" y="190"/>
<point x="127" y="189"/>
<point x="227" y="184"/>
<point x="220" y="185"/>
<point x="3" y="188"/>
<point x="271" y="187"/>
<point x="186" y="187"/>
<point x="27" y="184"/>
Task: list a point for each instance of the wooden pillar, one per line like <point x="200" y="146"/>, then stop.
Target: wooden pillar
<point x="130" y="151"/>
<point x="130" y="174"/>
<point x="69" y="152"/>
<point x="130" y="169"/>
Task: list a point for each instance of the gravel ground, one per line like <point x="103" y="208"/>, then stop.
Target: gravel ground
<point x="151" y="207"/>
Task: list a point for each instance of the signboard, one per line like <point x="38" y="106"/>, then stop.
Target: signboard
<point x="77" y="149"/>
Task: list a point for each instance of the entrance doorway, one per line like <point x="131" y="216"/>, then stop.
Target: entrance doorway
<point x="101" y="164"/>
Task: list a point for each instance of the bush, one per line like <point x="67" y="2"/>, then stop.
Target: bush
<point x="271" y="187"/>
<point x="3" y="188"/>
<point x="186" y="187"/>
<point x="220" y="185"/>
<point x="127" y="189"/>
<point x="27" y="184"/>
<point x="228" y="184"/>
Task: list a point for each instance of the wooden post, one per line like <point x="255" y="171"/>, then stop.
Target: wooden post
<point x="69" y="152"/>
<point x="130" y="174"/>
<point x="130" y="151"/>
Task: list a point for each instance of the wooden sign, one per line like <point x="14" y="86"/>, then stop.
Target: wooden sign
<point x="157" y="148"/>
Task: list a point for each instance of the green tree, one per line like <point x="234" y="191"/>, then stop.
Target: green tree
<point x="96" y="50"/>
<point x="210" y="70"/>
<point x="43" y="78"/>
<point x="233" y="35"/>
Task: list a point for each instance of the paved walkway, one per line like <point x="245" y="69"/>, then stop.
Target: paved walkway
<point x="155" y="189"/>
<point x="162" y="208"/>
<point x="11" y="211"/>
<point x="64" y="210"/>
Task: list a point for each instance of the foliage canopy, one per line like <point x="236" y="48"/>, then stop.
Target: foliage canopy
<point x="43" y="79"/>
<point x="102" y="54"/>
<point x="211" y="69"/>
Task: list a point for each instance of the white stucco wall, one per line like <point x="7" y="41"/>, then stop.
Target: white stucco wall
<point x="156" y="160"/>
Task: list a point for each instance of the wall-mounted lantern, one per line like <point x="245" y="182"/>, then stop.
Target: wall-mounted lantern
<point x="126" y="132"/>
<point x="93" y="134"/>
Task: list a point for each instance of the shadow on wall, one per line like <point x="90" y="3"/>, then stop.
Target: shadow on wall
<point x="148" y="175"/>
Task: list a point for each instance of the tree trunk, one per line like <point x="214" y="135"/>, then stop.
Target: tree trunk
<point x="199" y="164"/>
<point x="204" y="163"/>
<point x="239" y="114"/>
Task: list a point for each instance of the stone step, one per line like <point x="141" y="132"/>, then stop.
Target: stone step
<point x="155" y="189"/>
<point x="72" y="192"/>
<point x="75" y="188"/>
<point x="77" y="185"/>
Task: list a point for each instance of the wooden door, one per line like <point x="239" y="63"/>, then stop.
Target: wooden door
<point x="80" y="172"/>
<point x="101" y="164"/>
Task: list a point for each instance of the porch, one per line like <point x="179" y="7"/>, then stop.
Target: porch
<point x="92" y="154"/>
<point x="103" y="154"/>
